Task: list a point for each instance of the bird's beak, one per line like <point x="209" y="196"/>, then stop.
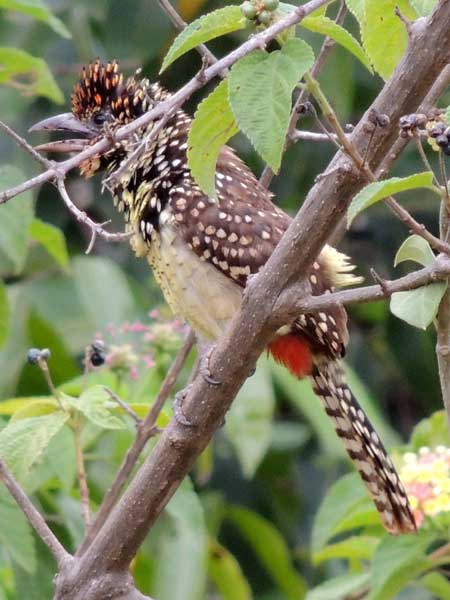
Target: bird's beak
<point x="64" y="122"/>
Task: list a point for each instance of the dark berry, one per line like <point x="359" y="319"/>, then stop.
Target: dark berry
<point x="446" y="150"/>
<point x="437" y="130"/>
<point x="97" y="359"/>
<point x="33" y="355"/>
<point x="442" y="141"/>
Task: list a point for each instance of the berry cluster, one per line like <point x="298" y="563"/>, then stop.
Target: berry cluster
<point x="410" y="123"/>
<point x="259" y="11"/>
<point x="440" y="133"/>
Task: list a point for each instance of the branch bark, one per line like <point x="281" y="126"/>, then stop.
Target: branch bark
<point x="236" y="353"/>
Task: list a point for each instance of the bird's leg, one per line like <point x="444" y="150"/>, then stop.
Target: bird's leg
<point x="205" y="351"/>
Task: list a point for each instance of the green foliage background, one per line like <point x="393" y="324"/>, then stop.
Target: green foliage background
<point x="242" y="527"/>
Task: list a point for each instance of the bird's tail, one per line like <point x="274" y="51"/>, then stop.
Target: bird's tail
<point x="364" y="447"/>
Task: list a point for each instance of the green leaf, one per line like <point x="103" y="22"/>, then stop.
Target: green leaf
<point x="38" y="10"/>
<point x="360" y="547"/>
<point x="4" y="314"/>
<point x="31" y="73"/>
<point x="37" y="585"/>
<point x="249" y="422"/>
<point x="397" y="561"/>
<point x="182" y="551"/>
<point x="437" y="584"/>
<point x="431" y="432"/>
<point x="358" y="10"/>
<point x="345" y="495"/>
<point x="339" y="588"/>
<point x="35" y="408"/>
<point x="226" y="574"/>
<point x="212" y="127"/>
<point x="207" y="27"/>
<point x="271" y="550"/>
<point x="424" y="7"/>
<point x="52" y="239"/>
<point x="260" y="91"/>
<point x="379" y="190"/>
<point x="415" y="248"/>
<point x="104" y="291"/>
<point x="23" y="442"/>
<point x="16" y="216"/>
<point x="384" y="35"/>
<point x="418" y="307"/>
<point x="328" y="27"/>
<point x="15" y="534"/>
<point x="95" y="404"/>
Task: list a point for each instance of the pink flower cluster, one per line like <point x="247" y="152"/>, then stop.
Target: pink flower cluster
<point x="426" y="476"/>
<point x="134" y="346"/>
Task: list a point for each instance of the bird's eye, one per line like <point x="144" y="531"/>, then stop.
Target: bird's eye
<point x="99" y="118"/>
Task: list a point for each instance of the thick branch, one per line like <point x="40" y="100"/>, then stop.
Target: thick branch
<point x="251" y="329"/>
<point x="33" y="516"/>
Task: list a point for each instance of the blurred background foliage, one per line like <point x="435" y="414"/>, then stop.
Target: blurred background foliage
<point x="249" y="509"/>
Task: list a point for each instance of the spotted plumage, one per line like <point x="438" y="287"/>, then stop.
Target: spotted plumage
<point x="202" y="251"/>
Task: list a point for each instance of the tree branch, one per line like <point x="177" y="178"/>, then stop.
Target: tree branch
<point x="254" y="325"/>
<point x="33" y="516"/>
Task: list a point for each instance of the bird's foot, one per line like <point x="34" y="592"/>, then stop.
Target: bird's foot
<point x="177" y="406"/>
<point x="204" y="369"/>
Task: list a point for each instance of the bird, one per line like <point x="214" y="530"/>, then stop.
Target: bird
<point x="203" y="250"/>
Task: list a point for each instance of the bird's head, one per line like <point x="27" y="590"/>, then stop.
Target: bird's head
<point x="101" y="102"/>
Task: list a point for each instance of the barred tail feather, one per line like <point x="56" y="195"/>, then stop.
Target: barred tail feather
<point x="364" y="447"/>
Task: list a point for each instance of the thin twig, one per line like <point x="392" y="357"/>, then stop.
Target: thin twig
<point x="438" y="270"/>
<point x="126" y="407"/>
<point x="311" y="136"/>
<point x="81" y="473"/>
<point x="365" y="169"/>
<point x="145" y="430"/>
<point x="423" y="156"/>
<point x="22" y="143"/>
<point x="33" y="515"/>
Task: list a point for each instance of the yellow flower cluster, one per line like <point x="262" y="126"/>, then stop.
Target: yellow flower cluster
<point x="426" y="476"/>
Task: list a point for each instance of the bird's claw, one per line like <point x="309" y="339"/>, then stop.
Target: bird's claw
<point x="205" y="371"/>
<point x="177" y="406"/>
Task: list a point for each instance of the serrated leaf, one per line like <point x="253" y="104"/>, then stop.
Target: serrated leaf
<point x="95" y="404"/>
<point x="384" y="35"/>
<point x="249" y="421"/>
<point x="226" y="574"/>
<point x="271" y="550"/>
<point x="418" y="307"/>
<point x="15" y="534"/>
<point x="415" y="248"/>
<point x="38" y="10"/>
<point x="339" y="587"/>
<point x="260" y="92"/>
<point x="361" y="547"/>
<point x="207" y="27"/>
<point x="212" y="127"/>
<point x="330" y="28"/>
<point x="23" y="442"/>
<point x="52" y="239"/>
<point x="182" y="549"/>
<point x="343" y="496"/>
<point x="358" y="10"/>
<point x="34" y="75"/>
<point x="16" y="216"/>
<point x="424" y="7"/>
<point x="5" y="314"/>
<point x="379" y="190"/>
<point x="397" y="561"/>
